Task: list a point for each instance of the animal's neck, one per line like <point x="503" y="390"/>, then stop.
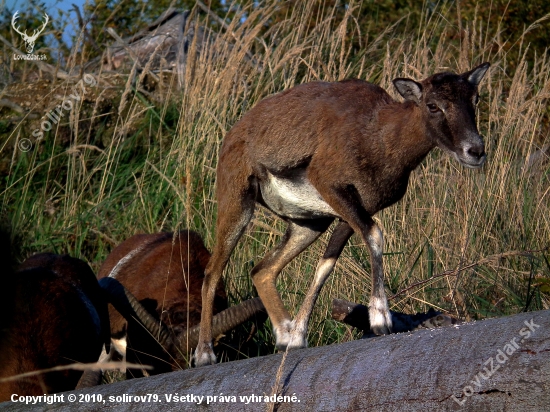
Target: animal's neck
<point x="406" y="140"/>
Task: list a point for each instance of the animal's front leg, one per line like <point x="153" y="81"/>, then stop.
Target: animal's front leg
<point x="379" y="313"/>
<point x="346" y="201"/>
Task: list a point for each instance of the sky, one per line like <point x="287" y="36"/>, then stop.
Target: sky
<point x="51" y="5"/>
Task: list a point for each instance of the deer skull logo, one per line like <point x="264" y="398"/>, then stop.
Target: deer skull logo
<point x="29" y="40"/>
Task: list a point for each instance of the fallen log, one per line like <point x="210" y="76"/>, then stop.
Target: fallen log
<point x="495" y="364"/>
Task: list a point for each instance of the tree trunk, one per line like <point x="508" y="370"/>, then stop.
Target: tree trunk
<point x="491" y="365"/>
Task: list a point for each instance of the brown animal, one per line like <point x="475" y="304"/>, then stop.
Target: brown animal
<point x="165" y="274"/>
<point x="54" y="314"/>
<point x="324" y="151"/>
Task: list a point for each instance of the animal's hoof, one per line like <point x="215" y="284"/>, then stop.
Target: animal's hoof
<point x="204" y="355"/>
<point x="288" y="335"/>
<point x="380" y="318"/>
<point x="298" y="339"/>
<point x="381" y="330"/>
<point x="280" y="347"/>
<point x="297" y="343"/>
<point x="293" y="344"/>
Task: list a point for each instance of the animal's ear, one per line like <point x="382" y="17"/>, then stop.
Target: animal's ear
<point x="474" y="76"/>
<point x="409" y="89"/>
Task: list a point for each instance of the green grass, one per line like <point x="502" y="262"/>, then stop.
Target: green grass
<point x="144" y="164"/>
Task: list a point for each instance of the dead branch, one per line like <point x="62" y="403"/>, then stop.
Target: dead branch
<point x="357" y="315"/>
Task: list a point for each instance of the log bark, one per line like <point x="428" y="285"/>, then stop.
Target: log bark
<point x="496" y="364"/>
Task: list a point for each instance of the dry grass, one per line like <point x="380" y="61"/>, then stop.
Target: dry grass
<point x="156" y="168"/>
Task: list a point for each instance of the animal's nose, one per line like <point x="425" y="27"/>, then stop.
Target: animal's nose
<point x="477" y="151"/>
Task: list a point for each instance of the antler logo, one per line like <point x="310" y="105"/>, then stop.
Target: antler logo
<point x="29" y="40"/>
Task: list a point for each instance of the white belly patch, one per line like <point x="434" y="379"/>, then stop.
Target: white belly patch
<point x="294" y="197"/>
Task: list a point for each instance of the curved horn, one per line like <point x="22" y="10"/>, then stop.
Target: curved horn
<point x="89" y="379"/>
<point x="224" y="321"/>
<point x="129" y="307"/>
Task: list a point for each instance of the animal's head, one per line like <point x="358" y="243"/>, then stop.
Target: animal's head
<point x="448" y="102"/>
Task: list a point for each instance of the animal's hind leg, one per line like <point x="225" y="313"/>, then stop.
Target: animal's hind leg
<point x="336" y="244"/>
<point x="235" y="209"/>
<point x="299" y="235"/>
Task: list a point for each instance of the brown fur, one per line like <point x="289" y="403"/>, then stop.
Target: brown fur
<point x="49" y="324"/>
<point x="165" y="274"/>
<point x="324" y="151"/>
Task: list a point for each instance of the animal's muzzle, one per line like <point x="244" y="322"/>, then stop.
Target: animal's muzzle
<point x="473" y="154"/>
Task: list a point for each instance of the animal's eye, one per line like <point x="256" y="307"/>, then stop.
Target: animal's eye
<point x="432" y="108"/>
